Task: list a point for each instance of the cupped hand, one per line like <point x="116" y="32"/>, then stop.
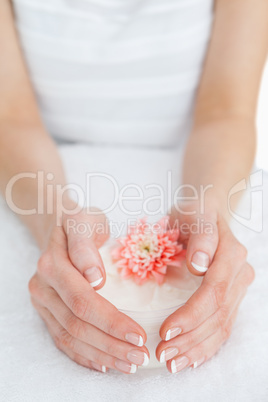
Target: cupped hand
<point x="195" y="332"/>
<point x="84" y="325"/>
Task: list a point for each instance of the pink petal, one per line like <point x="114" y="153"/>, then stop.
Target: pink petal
<point x="135" y="268"/>
<point x="125" y="273"/>
<point x="158" y="277"/>
<point x="162" y="270"/>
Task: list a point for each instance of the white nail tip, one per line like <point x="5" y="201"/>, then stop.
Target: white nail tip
<point x="96" y="283"/>
<point x="133" y="368"/>
<point x="199" y="267"/>
<point x="146" y="360"/>
<point x="162" y="357"/>
<point x="195" y="365"/>
<point x="168" y="335"/>
<point x="103" y="369"/>
<point x="140" y="341"/>
<point x="173" y="367"/>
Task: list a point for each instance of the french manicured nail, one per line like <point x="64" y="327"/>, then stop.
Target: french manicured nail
<point x="126" y="367"/>
<point x="198" y="362"/>
<point x="200" y="261"/>
<point x="138" y="357"/>
<point x="135" y="339"/>
<point x="94" y="276"/>
<point x="99" y="367"/>
<point x="171" y="333"/>
<point x="179" y="364"/>
<point x="167" y="354"/>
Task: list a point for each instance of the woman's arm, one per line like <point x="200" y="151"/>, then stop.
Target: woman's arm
<point x="85" y="326"/>
<point x="220" y="153"/>
<point x="25" y="146"/>
<point x="221" y="147"/>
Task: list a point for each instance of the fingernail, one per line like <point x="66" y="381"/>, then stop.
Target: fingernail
<point x="94" y="276"/>
<point x="138" y="357"/>
<point x="99" y="367"/>
<point x="198" y="362"/>
<point x="125" y="367"/>
<point x="171" y="333"/>
<point x="179" y="364"/>
<point x="134" y="338"/>
<point x="167" y="354"/>
<point x="200" y="261"/>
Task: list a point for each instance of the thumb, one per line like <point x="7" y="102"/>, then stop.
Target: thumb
<point x="201" y="248"/>
<point x="84" y="255"/>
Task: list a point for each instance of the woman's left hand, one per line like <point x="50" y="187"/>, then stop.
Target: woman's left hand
<point x="195" y="332"/>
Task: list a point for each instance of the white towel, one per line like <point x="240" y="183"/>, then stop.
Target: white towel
<point x="32" y="369"/>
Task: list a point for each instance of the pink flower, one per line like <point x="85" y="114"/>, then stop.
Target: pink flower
<point x="147" y="251"/>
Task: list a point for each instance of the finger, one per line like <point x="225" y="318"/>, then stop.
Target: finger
<point x="86" y="258"/>
<point x="200" y="233"/>
<point x="212" y="293"/>
<point x="82" y="361"/>
<point x="84" y="302"/>
<point x="204" y="350"/>
<point x="82" y="249"/>
<point x="201" y="247"/>
<point x="65" y="342"/>
<point x="183" y="343"/>
<point x="89" y="334"/>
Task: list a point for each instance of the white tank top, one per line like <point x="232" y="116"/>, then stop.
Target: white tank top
<point x="115" y="71"/>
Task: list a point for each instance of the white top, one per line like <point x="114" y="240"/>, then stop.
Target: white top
<point x="115" y="71"/>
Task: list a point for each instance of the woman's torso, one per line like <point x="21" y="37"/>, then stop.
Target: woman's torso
<point x="115" y="71"/>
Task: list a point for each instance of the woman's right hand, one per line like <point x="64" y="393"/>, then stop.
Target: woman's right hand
<point x="84" y="325"/>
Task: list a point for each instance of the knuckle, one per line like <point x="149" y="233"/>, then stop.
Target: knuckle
<point x="80" y="306"/>
<point x="34" y="303"/>
<point x="111" y="348"/>
<point x="112" y="324"/>
<point x="241" y="252"/>
<point x="33" y="285"/>
<point x="191" y="338"/>
<point x="212" y="234"/>
<point x="192" y="313"/>
<point x="222" y="317"/>
<point x="73" y="326"/>
<point x="219" y="292"/>
<point x="44" y="264"/>
<point x="78" y="246"/>
<point x="226" y="331"/>
<point x="57" y="342"/>
<point x="200" y="349"/>
<point x="64" y="340"/>
<point x="251" y="274"/>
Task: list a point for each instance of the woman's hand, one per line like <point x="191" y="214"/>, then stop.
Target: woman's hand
<point x="195" y="332"/>
<point x="84" y="325"/>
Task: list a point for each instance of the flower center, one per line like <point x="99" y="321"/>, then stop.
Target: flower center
<point x="147" y="247"/>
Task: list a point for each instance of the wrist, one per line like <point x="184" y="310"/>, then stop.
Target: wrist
<point x="200" y="204"/>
